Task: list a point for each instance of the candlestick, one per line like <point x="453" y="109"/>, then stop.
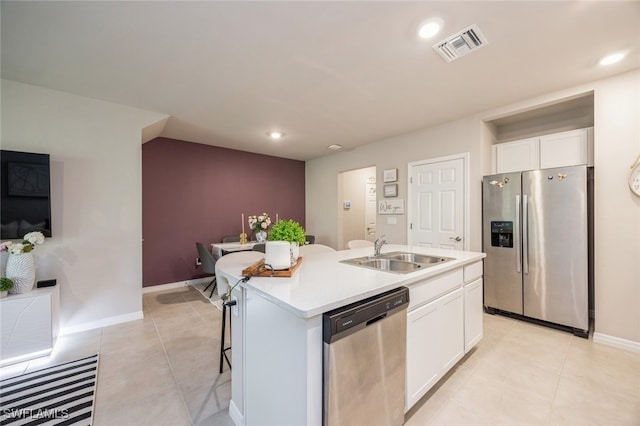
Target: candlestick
<point x="243" y="223"/>
<point x="276" y="217"/>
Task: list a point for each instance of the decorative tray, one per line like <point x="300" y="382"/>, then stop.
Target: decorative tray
<point x="259" y="269"/>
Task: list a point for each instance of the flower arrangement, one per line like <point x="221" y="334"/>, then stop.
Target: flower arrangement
<point x="287" y="230"/>
<point x="259" y="223"/>
<point x="28" y="243"/>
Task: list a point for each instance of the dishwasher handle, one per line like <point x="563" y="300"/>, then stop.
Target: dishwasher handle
<point x="376" y="319"/>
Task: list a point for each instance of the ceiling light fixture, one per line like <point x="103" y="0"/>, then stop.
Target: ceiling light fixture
<point x="334" y="147"/>
<point x="275" y="134"/>
<point x="430" y="28"/>
<point x="612" y="59"/>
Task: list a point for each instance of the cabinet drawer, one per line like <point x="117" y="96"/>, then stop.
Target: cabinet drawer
<point x="473" y="271"/>
<point x="424" y="291"/>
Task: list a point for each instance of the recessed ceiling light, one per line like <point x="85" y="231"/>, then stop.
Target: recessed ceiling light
<point x="275" y="134"/>
<point x="334" y="147"/>
<point x="612" y="59"/>
<point x="430" y="28"/>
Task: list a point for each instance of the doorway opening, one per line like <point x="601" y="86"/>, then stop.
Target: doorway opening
<point x="356" y="205"/>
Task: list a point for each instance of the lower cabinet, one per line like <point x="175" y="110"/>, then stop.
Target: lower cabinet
<point x="472" y="314"/>
<point x="435" y="342"/>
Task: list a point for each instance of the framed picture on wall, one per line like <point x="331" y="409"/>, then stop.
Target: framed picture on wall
<point x="390" y="175"/>
<point x="391" y="190"/>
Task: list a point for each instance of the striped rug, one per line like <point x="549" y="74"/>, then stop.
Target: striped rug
<point x="60" y="395"/>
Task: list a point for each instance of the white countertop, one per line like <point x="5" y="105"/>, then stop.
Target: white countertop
<point x="322" y="283"/>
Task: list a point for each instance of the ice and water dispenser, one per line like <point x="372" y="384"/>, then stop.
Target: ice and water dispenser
<point x="502" y="234"/>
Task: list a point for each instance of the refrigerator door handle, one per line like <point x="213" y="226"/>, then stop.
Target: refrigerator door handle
<point x="516" y="235"/>
<point x="525" y="234"/>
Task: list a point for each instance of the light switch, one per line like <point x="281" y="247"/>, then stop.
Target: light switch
<point x="391" y="221"/>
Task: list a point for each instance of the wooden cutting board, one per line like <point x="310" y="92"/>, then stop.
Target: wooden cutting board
<point x="258" y="270"/>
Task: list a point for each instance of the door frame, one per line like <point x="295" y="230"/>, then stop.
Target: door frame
<point x="465" y="156"/>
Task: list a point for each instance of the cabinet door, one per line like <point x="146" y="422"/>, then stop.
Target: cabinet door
<point x="518" y="156"/>
<point x="472" y="314"/>
<point x="435" y="342"/>
<point x="423" y="362"/>
<point x="451" y="322"/>
<point x="564" y="149"/>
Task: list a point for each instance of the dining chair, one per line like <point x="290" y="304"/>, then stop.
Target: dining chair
<point x="261" y="247"/>
<point x="359" y="243"/>
<point x="231" y="239"/>
<point x="208" y="264"/>
<point x="309" y="239"/>
<point x="242" y="259"/>
<point x="314" y="248"/>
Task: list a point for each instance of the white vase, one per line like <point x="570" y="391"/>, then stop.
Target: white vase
<point x="21" y="269"/>
<point x="278" y="254"/>
<point x="295" y="252"/>
<point x="261" y="236"/>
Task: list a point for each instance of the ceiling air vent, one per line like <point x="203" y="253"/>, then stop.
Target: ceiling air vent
<point x="461" y="43"/>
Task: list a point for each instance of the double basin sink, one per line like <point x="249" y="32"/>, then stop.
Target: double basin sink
<point x="398" y="262"/>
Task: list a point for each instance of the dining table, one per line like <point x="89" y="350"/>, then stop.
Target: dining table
<point x="220" y="249"/>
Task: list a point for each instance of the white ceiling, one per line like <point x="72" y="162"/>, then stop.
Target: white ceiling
<point x="331" y="72"/>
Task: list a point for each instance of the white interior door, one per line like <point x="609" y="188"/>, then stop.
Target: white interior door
<point x="437" y="203"/>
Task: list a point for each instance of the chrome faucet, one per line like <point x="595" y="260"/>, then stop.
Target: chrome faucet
<point x="378" y="245"/>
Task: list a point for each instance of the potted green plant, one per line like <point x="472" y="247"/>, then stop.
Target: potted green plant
<point x="5" y="285"/>
<point x="288" y="231"/>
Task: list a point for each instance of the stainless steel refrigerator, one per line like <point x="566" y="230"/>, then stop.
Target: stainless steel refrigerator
<point x="536" y="228"/>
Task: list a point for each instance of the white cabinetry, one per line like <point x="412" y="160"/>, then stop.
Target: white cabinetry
<point x="565" y="149"/>
<point x="435" y="332"/>
<point x="517" y="156"/>
<point x="571" y="148"/>
<point x="473" y="301"/>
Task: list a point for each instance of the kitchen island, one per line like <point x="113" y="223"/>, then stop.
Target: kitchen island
<point x="277" y="328"/>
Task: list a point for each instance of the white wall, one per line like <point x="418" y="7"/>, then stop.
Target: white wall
<point x="96" y="190"/>
<point x="617" y="211"/>
<point x="451" y="138"/>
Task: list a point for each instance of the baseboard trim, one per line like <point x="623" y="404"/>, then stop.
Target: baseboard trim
<point x="616" y="342"/>
<point x="177" y="284"/>
<point x="235" y="414"/>
<point x="105" y="322"/>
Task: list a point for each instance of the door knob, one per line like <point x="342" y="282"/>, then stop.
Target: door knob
<point x="455" y="238"/>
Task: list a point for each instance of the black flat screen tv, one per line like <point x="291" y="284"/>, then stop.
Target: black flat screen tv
<point x="25" y="194"/>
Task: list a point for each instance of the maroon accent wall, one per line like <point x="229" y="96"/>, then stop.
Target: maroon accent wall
<point x="193" y="192"/>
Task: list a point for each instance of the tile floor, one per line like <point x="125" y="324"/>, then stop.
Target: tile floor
<point x="162" y="370"/>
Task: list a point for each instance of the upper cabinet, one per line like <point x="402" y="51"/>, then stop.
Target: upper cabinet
<point x="564" y="149"/>
<point x="571" y="148"/>
<point x="517" y="156"/>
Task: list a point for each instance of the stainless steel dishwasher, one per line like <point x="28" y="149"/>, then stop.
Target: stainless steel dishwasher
<point x="364" y="361"/>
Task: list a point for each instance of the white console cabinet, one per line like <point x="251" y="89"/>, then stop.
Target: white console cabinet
<point x="564" y="149"/>
<point x="29" y="325"/>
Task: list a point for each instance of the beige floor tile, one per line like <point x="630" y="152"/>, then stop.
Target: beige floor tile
<point x="159" y="409"/>
<point x="207" y="400"/>
<point x="70" y="348"/>
<point x="163" y="370"/>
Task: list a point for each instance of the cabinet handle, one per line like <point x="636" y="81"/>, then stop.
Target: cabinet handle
<point x="455" y="238"/>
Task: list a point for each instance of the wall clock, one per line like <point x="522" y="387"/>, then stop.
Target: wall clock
<point x="634" y="178"/>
